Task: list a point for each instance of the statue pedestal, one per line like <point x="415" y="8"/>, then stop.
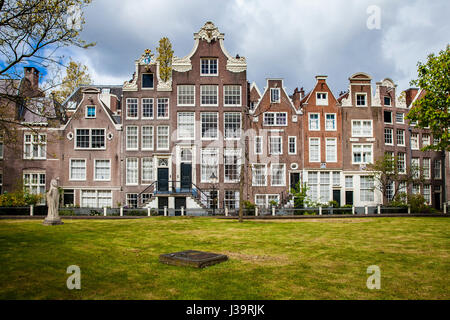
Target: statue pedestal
<point x="52" y="222"/>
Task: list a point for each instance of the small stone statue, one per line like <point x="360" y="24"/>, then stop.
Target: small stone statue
<point x="53" y="205"/>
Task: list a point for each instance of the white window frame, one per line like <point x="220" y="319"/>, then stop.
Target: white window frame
<point x="276" y="117"/>
<point x="235" y="153"/>
<point x="402" y="119"/>
<point x="86" y="112"/>
<point x="294" y="143"/>
<point x="202" y="87"/>
<point x="396" y="137"/>
<point x="283" y="182"/>
<point x="258" y="140"/>
<point x="127" y="146"/>
<point x="144" y="181"/>
<point x="365" y="99"/>
<point x="90" y="139"/>
<point x="215" y="153"/>
<point x="209" y="68"/>
<point x="402" y="160"/>
<point x="327" y="159"/>
<point x="280" y="138"/>
<point x="309" y="150"/>
<point x="266" y="199"/>
<point x="309" y="121"/>
<point x="127" y="104"/>
<point x="153" y="108"/>
<point x="217" y="126"/>
<point x="361" y="133"/>
<point x="180" y="133"/>
<point x="391" y="135"/>
<point x="225" y="122"/>
<point x="279" y="95"/>
<point x="437" y="176"/>
<point x="142" y="81"/>
<point x="136" y="181"/>
<point x="415" y="146"/>
<point x="95" y="170"/>
<point x="178" y="95"/>
<point x="264" y="168"/>
<point x="322" y="102"/>
<point x="70" y="169"/>
<point x="152" y="130"/>
<point x="362" y="153"/>
<point x="41" y="146"/>
<point x="158" y="147"/>
<point x="365" y="191"/>
<point x="97" y="197"/>
<point x="38" y="185"/>
<point x="168" y="108"/>
<point x="225" y="94"/>
<point x="334" y="122"/>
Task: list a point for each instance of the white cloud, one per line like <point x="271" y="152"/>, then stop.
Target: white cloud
<point x="295" y="39"/>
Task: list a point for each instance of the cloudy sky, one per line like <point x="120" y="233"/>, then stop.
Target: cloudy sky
<point x="291" y="39"/>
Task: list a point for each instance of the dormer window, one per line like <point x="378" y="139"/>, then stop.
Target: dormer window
<point x="274" y="95"/>
<point x="147" y="81"/>
<point x="321" y="99"/>
<point x="208" y="67"/>
<point x="387" y="101"/>
<point x="361" y="100"/>
<point x="90" y="112"/>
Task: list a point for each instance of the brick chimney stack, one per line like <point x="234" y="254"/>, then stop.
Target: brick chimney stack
<point x="302" y="93"/>
<point x="32" y="74"/>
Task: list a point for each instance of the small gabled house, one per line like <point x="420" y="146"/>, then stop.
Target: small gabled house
<point x="322" y="141"/>
<point x="274" y="147"/>
<point x="89" y="157"/>
<point x="361" y="137"/>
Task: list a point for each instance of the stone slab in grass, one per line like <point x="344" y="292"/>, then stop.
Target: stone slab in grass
<point x="192" y="258"/>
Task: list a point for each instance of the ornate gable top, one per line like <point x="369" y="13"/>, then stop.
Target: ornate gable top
<point x="209" y="32"/>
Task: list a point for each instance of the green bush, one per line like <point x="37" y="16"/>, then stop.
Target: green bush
<point x="19" y="198"/>
<point x="136" y="213"/>
<point x="333" y="204"/>
<point x="417" y="203"/>
<point x="249" y="208"/>
<point x="66" y="213"/>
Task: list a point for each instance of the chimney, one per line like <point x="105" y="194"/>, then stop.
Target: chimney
<point x="302" y="93"/>
<point x="296" y="95"/>
<point x="32" y="74"/>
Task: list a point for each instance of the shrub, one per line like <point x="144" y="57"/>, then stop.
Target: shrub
<point x="333" y="204"/>
<point x="19" y="198"/>
<point x="249" y="208"/>
<point x="417" y="203"/>
<point x="66" y="213"/>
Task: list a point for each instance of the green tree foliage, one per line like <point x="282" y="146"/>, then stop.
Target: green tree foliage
<point x="165" y="55"/>
<point x="77" y="74"/>
<point x="27" y="27"/>
<point x="19" y="198"/>
<point x="432" y="110"/>
<point x="300" y="193"/>
<point x="386" y="171"/>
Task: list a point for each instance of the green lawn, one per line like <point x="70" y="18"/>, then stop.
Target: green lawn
<point x="307" y="259"/>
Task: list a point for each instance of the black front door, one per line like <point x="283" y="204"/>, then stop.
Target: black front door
<point x="437" y="200"/>
<point x="349" y="197"/>
<point x="179" y="202"/>
<point x="337" y="196"/>
<point x="163" y="179"/>
<point x="162" y="202"/>
<point x="295" y="178"/>
<point x="186" y="176"/>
